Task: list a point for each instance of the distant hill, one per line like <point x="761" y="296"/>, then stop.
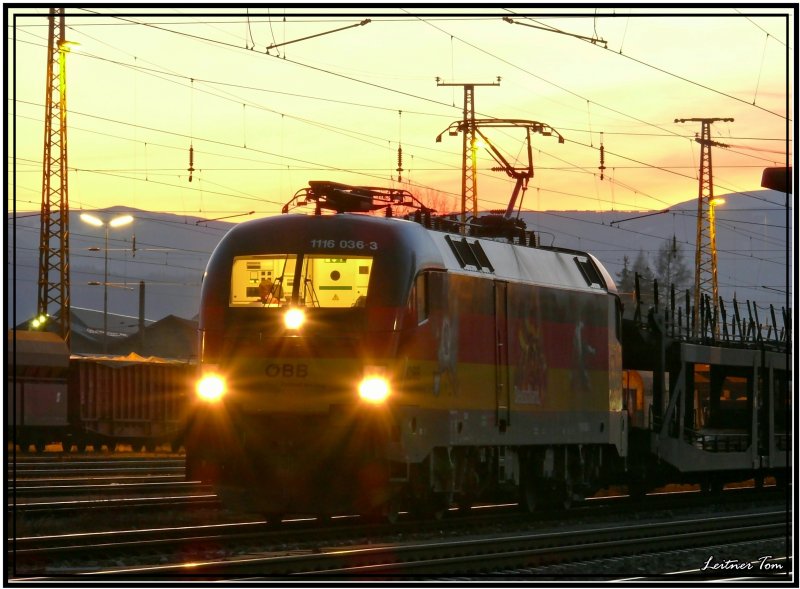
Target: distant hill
<point x="751" y="240"/>
<point x="172" y="252"/>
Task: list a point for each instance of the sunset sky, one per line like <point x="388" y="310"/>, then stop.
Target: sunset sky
<point x="145" y="84"/>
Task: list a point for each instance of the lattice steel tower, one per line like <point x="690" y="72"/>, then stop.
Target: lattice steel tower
<point x="54" y="235"/>
<point x="705" y="261"/>
<point x="469" y="167"/>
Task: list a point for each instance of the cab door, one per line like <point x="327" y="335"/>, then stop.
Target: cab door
<point x="501" y="368"/>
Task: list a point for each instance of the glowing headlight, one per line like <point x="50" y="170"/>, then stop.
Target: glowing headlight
<point x="374" y="389"/>
<point x="294" y="318"/>
<point x="211" y="387"/>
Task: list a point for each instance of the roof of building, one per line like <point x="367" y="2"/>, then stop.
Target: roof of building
<point x="169" y="337"/>
<point x="174" y="337"/>
<point x="118" y="325"/>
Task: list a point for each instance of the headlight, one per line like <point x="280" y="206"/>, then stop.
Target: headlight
<point x="374" y="387"/>
<point x="294" y="318"/>
<point x="211" y="387"/>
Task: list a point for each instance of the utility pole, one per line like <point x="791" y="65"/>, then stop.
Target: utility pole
<point x="141" y="334"/>
<point x="469" y="177"/>
<point x="54" y="233"/>
<point x="705" y="260"/>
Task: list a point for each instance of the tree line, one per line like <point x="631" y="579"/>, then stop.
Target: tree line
<point x="668" y="268"/>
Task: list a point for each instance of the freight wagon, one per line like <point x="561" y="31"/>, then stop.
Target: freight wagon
<point x="36" y="389"/>
<point x="92" y="401"/>
<point x="130" y="400"/>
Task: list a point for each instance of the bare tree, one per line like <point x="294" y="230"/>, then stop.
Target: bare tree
<point x="671" y="268"/>
<point x="626" y="279"/>
<point x="437" y="200"/>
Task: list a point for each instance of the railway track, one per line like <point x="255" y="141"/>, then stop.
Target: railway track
<point x="112" y="487"/>
<point x="74" y="507"/>
<point x="76" y="481"/>
<point x="486" y="554"/>
<point x="43" y="553"/>
<point x="29" y="469"/>
<point x="59" y="487"/>
<point x="58" y="484"/>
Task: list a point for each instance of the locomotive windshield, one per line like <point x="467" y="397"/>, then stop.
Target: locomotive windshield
<point x="329" y="281"/>
<point x="262" y="280"/>
<point x="339" y="281"/>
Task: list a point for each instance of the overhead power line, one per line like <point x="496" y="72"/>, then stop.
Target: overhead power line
<point x="333" y="73"/>
<point x="361" y="24"/>
<point x="651" y="66"/>
<point x="177" y="32"/>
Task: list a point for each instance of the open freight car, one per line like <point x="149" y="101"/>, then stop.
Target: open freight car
<point x="55" y="398"/>
<point x="130" y="400"/>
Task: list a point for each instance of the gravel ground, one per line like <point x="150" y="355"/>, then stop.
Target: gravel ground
<point x="747" y="559"/>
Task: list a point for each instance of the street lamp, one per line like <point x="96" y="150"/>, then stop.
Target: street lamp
<point x="712" y="230"/>
<point x="97" y="222"/>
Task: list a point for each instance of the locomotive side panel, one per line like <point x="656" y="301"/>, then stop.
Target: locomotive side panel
<point x="526" y="349"/>
<point x="554" y="364"/>
<point x="447" y="366"/>
<point x="498" y="363"/>
<point x="563" y="367"/>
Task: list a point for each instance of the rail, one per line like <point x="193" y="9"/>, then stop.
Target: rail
<point x="474" y="555"/>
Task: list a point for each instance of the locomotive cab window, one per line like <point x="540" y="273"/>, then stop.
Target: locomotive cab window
<point x="329" y="281"/>
<point x="334" y="281"/>
<point x="262" y="281"/>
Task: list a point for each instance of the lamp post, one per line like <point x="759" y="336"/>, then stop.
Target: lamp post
<point x="97" y="222"/>
<point x="712" y="230"/>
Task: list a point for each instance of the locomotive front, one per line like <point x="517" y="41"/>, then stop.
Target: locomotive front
<point x="299" y="327"/>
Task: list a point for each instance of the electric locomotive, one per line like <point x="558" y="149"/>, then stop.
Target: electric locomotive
<point x="356" y="363"/>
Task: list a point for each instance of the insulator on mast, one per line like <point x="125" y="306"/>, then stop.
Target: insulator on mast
<point x="191" y="162"/>
<point x="602" y="166"/>
<point x="400" y="146"/>
<point x="399" y="164"/>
